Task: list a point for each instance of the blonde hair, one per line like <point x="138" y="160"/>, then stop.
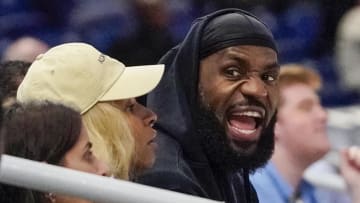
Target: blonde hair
<point x="112" y="138"/>
<point x="292" y="74"/>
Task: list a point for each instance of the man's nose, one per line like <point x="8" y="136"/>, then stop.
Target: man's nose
<point x="253" y="86"/>
<point x="323" y="114"/>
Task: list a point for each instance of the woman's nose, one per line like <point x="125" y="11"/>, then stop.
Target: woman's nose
<point x="103" y="169"/>
<point x="151" y="118"/>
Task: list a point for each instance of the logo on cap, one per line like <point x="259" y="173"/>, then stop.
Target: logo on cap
<point x="101" y="58"/>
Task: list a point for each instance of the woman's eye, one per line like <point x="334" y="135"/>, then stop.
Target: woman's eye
<point x="130" y="107"/>
<point x="88" y="156"/>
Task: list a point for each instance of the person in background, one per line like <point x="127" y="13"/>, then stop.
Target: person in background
<point x="300" y="140"/>
<point x="11" y="75"/>
<point x="216" y="107"/>
<point x="24" y="49"/>
<point x="152" y="38"/>
<point x="104" y="91"/>
<point x="1" y="118"/>
<point x="347" y="51"/>
<point x="350" y="170"/>
<point x="49" y="133"/>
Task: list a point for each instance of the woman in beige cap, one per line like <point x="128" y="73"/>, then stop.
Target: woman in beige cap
<point x="103" y="90"/>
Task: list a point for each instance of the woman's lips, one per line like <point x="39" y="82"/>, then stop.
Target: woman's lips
<point x="152" y="142"/>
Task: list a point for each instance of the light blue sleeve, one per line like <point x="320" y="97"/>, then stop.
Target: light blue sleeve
<point x="266" y="191"/>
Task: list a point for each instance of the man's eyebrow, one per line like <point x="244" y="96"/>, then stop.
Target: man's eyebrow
<point x="243" y="61"/>
<point x="306" y="102"/>
<point x="274" y="65"/>
<point x="240" y="59"/>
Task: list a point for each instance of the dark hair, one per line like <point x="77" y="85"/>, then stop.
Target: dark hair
<point x="11" y="75"/>
<point x="41" y="132"/>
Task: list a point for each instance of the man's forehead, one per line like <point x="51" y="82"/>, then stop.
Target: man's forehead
<point x="298" y="92"/>
<point x="249" y="52"/>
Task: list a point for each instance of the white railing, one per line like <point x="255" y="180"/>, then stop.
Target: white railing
<point x="48" y="178"/>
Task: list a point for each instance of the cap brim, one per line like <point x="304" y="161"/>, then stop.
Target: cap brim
<point x="135" y="81"/>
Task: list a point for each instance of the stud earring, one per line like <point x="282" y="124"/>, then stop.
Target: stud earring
<point x="51" y="197"/>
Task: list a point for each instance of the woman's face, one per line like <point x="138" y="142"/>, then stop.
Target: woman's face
<point x="141" y="120"/>
<point x="81" y="158"/>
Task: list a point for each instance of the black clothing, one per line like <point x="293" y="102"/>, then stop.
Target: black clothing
<point x="234" y="29"/>
<point x="144" y="47"/>
<point x="182" y="164"/>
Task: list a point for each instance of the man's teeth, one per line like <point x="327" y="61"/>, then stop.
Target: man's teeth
<point x="243" y="131"/>
<point x="250" y="114"/>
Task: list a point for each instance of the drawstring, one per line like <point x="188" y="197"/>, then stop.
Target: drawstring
<point x="247" y="186"/>
<point x="296" y="196"/>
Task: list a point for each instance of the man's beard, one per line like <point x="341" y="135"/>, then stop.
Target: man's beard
<point x="217" y="146"/>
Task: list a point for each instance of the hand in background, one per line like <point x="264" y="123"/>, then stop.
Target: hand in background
<point x="350" y="169"/>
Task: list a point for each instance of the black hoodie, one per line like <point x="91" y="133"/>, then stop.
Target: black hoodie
<point x="181" y="163"/>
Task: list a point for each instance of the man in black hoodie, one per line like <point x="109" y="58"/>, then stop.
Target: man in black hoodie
<point x="216" y="105"/>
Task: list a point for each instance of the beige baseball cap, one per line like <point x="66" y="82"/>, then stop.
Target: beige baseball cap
<point x="78" y="75"/>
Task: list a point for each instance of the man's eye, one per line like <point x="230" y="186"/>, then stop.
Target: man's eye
<point x="232" y="72"/>
<point x="306" y="107"/>
<point x="270" y="77"/>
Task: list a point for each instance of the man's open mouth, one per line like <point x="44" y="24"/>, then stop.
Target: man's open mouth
<point x="245" y="124"/>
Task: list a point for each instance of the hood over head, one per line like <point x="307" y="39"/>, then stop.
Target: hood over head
<point x="176" y="98"/>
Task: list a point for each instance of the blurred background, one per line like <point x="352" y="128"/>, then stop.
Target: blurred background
<point x="322" y="34"/>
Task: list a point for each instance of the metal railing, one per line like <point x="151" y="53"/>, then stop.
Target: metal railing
<point x="49" y="178"/>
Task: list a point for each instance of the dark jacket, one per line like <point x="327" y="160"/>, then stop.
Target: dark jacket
<point x="181" y="163"/>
